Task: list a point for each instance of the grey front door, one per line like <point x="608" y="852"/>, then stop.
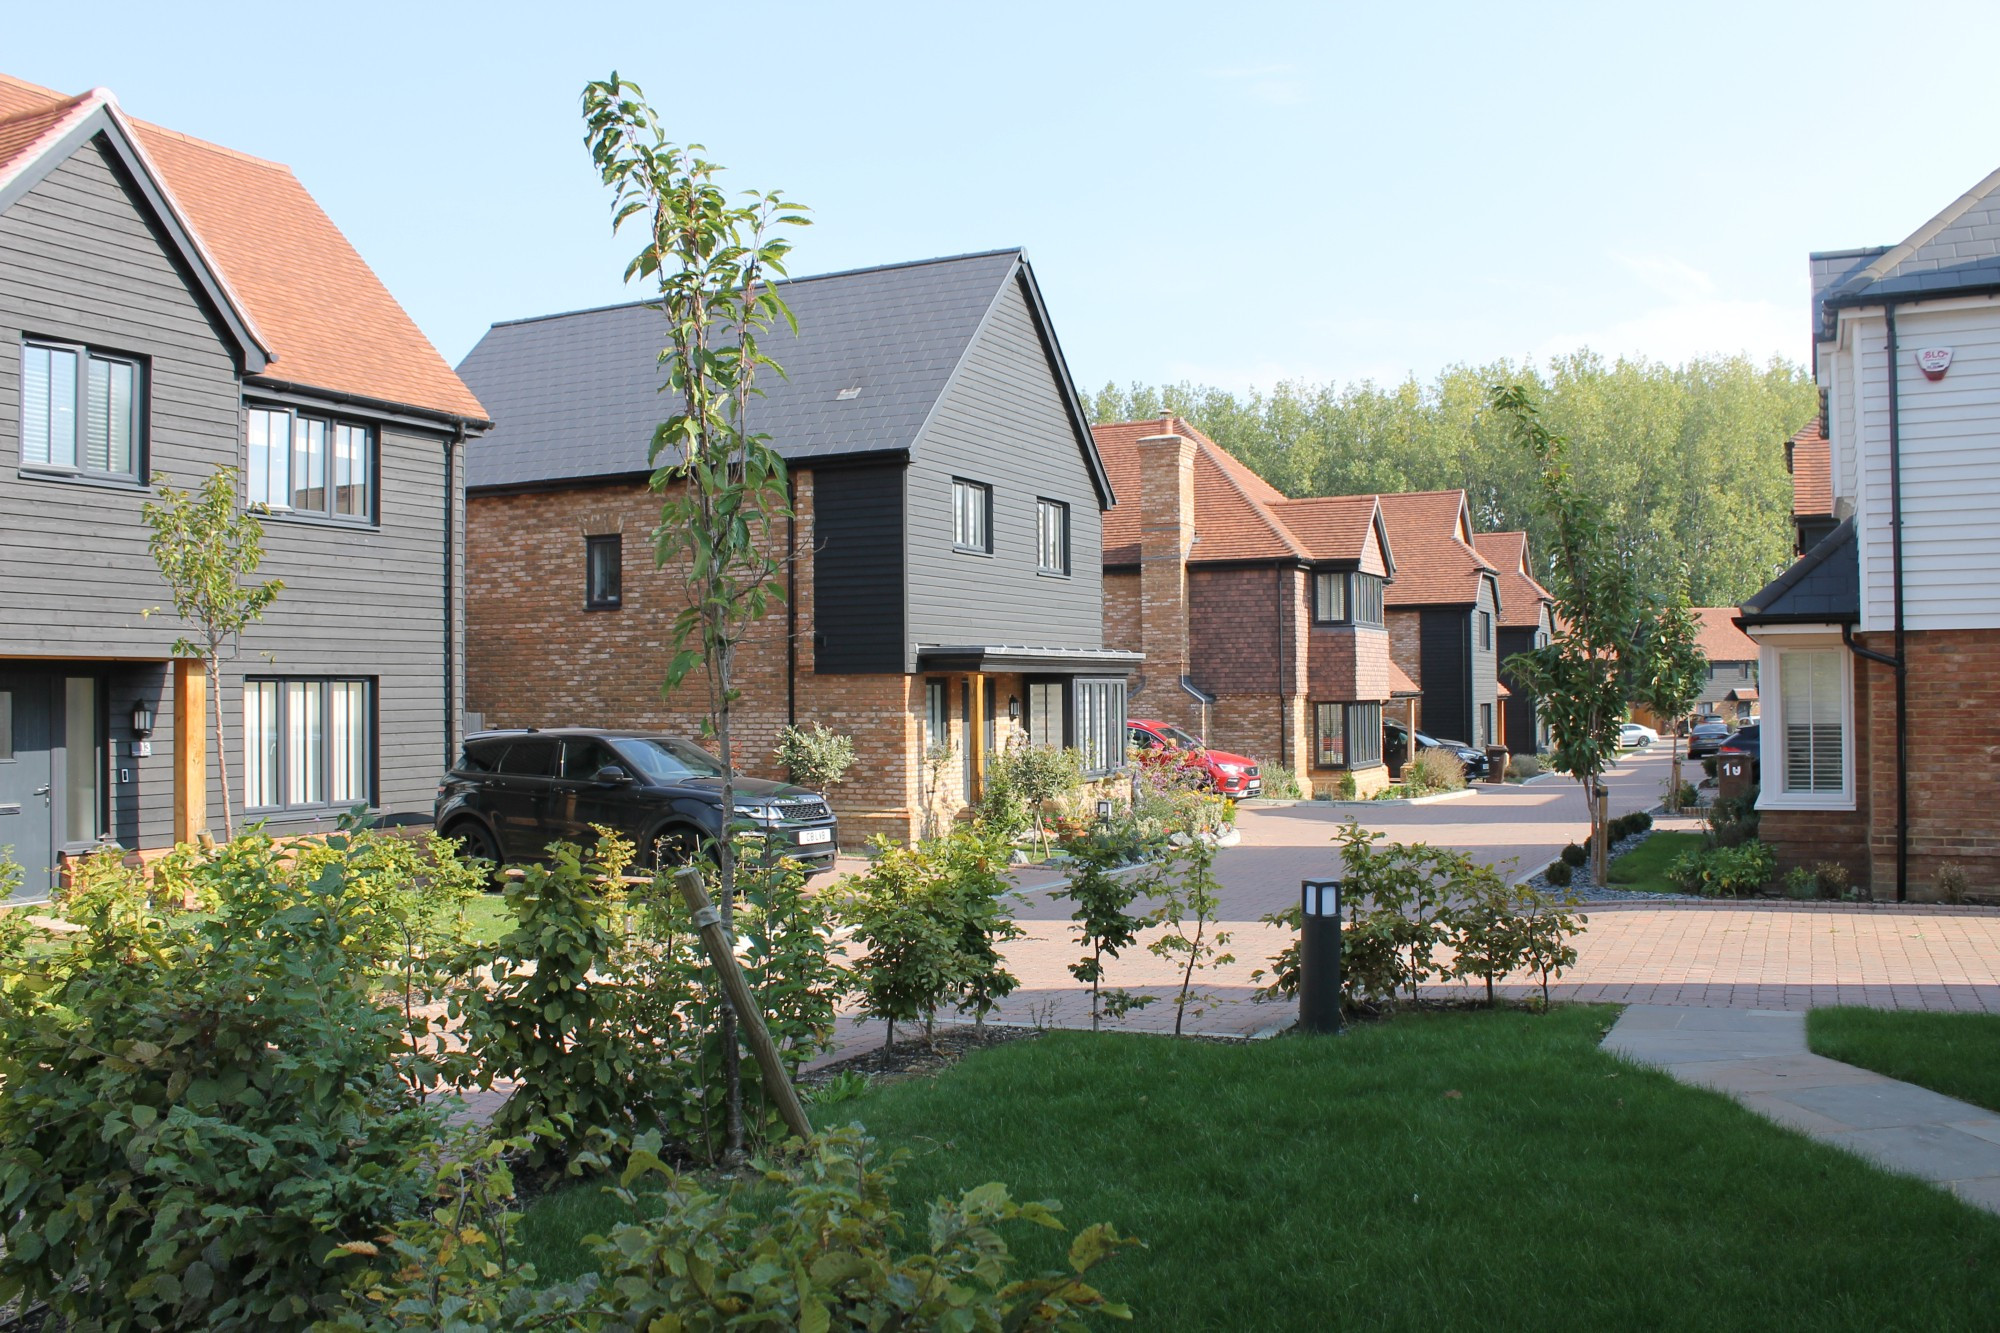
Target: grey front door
<point x="27" y="809"/>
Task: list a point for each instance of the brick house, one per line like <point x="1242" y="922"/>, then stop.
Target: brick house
<point x="947" y="499"/>
<point x="1526" y="620"/>
<point x="1443" y="611"/>
<point x="176" y="307"/>
<point x="1731" y="689"/>
<point x="1259" y="617"/>
<point x="1879" y="650"/>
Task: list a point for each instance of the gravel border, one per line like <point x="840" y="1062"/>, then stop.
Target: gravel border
<point x="1584" y="891"/>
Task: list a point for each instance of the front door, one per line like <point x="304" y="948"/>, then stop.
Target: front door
<point x="27" y="808"/>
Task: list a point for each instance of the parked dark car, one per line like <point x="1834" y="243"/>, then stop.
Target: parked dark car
<point x="1396" y="750"/>
<point x="1219" y="770"/>
<point x="1746" y="741"/>
<point x="512" y="793"/>
<point x="1704" y="738"/>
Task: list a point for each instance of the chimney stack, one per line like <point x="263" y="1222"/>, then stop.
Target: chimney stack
<point x="1166" y="536"/>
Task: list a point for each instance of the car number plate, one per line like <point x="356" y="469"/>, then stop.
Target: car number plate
<point x="808" y="836"/>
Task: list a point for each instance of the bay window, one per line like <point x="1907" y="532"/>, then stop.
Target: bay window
<point x="1347" y="735"/>
<point x="307" y="743"/>
<point x="1100" y="724"/>
<point x="81" y="411"/>
<point x="1807" y="742"/>
<point x="1342" y="598"/>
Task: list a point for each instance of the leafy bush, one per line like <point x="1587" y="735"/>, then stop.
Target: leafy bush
<point x="1433" y="771"/>
<point x="1559" y="873"/>
<point x="1523" y="766"/>
<point x="1038" y="774"/>
<point x="1685" y="796"/>
<point x="1733" y="820"/>
<point x="1487" y="938"/>
<point x="1189" y="899"/>
<point x="1708" y="767"/>
<point x="1000" y="808"/>
<point x="1105" y="923"/>
<point x="198" y="1104"/>
<point x="1348" y="787"/>
<point x="1832" y="877"/>
<point x="1719" y="872"/>
<point x="815" y="1245"/>
<point x="1800" y="882"/>
<point x="1573" y="854"/>
<point x="815" y="756"/>
<point x="1951" y="882"/>
<point x="1641" y="821"/>
<point x="1280" y="783"/>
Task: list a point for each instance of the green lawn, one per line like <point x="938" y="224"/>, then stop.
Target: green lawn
<point x="489" y="918"/>
<point x="1644" y="868"/>
<point x="1956" y="1054"/>
<point x="1463" y="1170"/>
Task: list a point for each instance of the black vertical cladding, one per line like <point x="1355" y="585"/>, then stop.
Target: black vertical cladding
<point x="1446" y="654"/>
<point x="1519" y="706"/>
<point x="858" y="570"/>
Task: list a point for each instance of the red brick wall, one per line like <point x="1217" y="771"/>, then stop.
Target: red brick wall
<point x="1347" y="665"/>
<point x="1406" y="643"/>
<point x="1121" y="613"/>
<point x="1233" y="620"/>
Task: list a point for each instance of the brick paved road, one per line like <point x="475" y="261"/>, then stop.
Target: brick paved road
<point x="1768" y="956"/>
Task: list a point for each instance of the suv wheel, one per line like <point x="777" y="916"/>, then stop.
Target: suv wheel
<point x="674" y="847"/>
<point x="476" y="844"/>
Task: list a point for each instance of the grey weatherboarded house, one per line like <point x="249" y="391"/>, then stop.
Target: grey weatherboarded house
<point x="944" y="591"/>
<point x="174" y="308"/>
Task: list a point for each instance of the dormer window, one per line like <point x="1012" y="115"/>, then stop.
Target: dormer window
<point x="81" y="412"/>
<point x="312" y="467"/>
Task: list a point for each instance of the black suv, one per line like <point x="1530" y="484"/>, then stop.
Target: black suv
<point x="512" y="793"/>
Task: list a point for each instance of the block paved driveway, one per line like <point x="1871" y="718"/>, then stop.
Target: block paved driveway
<point x="1746" y="955"/>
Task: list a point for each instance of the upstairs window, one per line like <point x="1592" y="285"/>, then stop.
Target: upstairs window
<point x="1341" y="598"/>
<point x="1329" y="598"/>
<point x="603" y="572"/>
<point x="80" y="411"/>
<point x="1486" y="631"/>
<point x="1368" y="599"/>
<point x="1052" y="535"/>
<point x="311" y="466"/>
<point x="972" y="516"/>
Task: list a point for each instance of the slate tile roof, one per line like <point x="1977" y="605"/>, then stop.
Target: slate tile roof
<point x="1435" y="566"/>
<point x="320" y="309"/>
<point x="1823" y="586"/>
<point x="1957" y="250"/>
<point x="1720" y="640"/>
<point x="1237" y="514"/>
<point x="1811" y="461"/>
<point x="577" y="395"/>
<point x="1522" y="596"/>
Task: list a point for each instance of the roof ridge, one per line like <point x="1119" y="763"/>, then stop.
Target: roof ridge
<point x="786" y="281"/>
<point x="210" y="145"/>
<point x="1891" y="259"/>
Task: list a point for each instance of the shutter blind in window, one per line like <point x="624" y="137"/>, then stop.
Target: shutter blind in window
<point x="1810" y="685"/>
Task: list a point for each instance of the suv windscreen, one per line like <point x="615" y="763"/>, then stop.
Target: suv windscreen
<point x="663" y="759"/>
<point x="582" y="759"/>
<point x="529" y="759"/>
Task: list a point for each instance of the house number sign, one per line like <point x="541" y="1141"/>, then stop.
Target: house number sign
<point x="1934" y="361"/>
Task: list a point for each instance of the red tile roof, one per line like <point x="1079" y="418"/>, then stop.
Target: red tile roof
<point x="1400" y="683"/>
<point x="1329" y="527"/>
<point x="316" y="304"/>
<point x="1812" y="471"/>
<point x="1435" y="566"/>
<point x="1719" y="638"/>
<point x="1522" y="597"/>
<point x="1235" y="514"/>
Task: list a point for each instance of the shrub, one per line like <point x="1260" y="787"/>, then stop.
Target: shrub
<point x="1801" y="883"/>
<point x="1641" y="821"/>
<point x="1039" y="774"/>
<point x="1833" y="878"/>
<point x="1685" y="796"/>
<point x="815" y="756"/>
<point x="811" y="1244"/>
<point x="1433" y="771"/>
<point x="1189" y="899"/>
<point x="1573" y="854"/>
<point x="1950" y="882"/>
<point x="1105" y="923"/>
<point x="1719" y="872"/>
<point x="1708" y="767"/>
<point x="1523" y="766"/>
<point x="1001" y="809"/>
<point x="1559" y="873"/>
<point x="199" y="1104"/>
<point x="1486" y="928"/>
<point x="1280" y="783"/>
<point x="1733" y="821"/>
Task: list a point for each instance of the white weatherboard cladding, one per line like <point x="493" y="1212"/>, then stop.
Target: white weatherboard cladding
<point x="1950" y="469"/>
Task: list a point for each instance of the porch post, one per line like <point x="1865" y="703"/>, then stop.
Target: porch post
<point x="975" y="743"/>
<point x="190" y="749"/>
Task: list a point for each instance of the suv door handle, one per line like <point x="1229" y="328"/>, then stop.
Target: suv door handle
<point x="41" y="791"/>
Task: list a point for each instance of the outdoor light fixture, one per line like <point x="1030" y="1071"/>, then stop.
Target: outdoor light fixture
<point x="142" y="720"/>
<point x="1319" y="955"/>
<point x="1103" y="811"/>
<point x="1013" y="708"/>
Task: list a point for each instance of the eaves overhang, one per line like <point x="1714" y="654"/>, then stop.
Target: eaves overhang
<point x="993" y="658"/>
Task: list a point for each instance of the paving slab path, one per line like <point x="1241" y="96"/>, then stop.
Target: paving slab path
<point x="1760" y="1058"/>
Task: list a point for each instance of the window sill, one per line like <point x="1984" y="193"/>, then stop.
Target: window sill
<point x="1828" y="801"/>
<point x="1052" y="574"/>
<point x="98" y="481"/>
<point x="604" y="606"/>
<point x="971" y="550"/>
<point x="296" y="519"/>
<point x="314" y="812"/>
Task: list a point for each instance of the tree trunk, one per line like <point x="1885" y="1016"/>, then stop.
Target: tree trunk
<point x="1674" y="792"/>
<point x="214" y="665"/>
<point x="1600" y="834"/>
<point x="725" y="860"/>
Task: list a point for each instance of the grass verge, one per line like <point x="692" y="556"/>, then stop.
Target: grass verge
<point x="1955" y="1054"/>
<point x="1644" y="868"/>
<point x="1435" y="1171"/>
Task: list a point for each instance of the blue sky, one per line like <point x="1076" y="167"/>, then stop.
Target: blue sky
<point x="1229" y="194"/>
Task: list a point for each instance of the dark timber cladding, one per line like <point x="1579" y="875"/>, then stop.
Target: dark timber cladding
<point x="858" y="569"/>
<point x="1447" y="673"/>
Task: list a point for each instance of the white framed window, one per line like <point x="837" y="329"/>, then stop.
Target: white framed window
<point x="972" y="516"/>
<point x="311" y="466"/>
<point x="307" y="743"/>
<point x="1052" y="536"/>
<point x="81" y="411"/>
<point x="1806" y="748"/>
<point x="1100" y="723"/>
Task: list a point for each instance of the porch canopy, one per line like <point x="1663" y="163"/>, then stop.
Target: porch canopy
<point x="1000" y="659"/>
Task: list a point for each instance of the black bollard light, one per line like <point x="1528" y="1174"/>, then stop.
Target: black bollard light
<point x="1319" y="955"/>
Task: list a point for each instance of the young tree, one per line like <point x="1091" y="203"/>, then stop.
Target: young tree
<point x="205" y="545"/>
<point x="1190" y="898"/>
<point x="722" y="486"/>
<point x="1105" y="924"/>
<point x="1582" y="678"/>
<point x="1670" y="675"/>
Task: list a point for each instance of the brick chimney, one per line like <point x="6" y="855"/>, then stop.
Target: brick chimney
<point x="1166" y="535"/>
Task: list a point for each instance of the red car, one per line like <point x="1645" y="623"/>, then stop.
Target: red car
<point x="1229" y="774"/>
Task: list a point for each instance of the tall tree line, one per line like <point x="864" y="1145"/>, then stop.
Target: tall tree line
<point x="1686" y="463"/>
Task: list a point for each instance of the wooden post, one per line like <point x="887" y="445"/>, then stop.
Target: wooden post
<point x="190" y="749"/>
<point x="715" y="936"/>
<point x="975" y="742"/>
<point x="1600" y="842"/>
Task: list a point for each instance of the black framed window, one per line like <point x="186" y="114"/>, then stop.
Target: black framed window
<point x="972" y="516"/>
<point x="937" y="714"/>
<point x="1100" y="723"/>
<point x="82" y="411"/>
<point x="1052" y="535"/>
<point x="1486" y="724"/>
<point x="1368" y="599"/>
<point x="308" y="742"/>
<point x="1045" y="713"/>
<point x="1341" y="598"/>
<point x="604" y="572"/>
<point x="1347" y="735"/>
<point x="1329" y="597"/>
<point x="315" y="467"/>
<point x="1486" y="631"/>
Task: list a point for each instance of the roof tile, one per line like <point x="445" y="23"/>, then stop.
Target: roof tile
<point x="1812" y="472"/>
<point x="1434" y="566"/>
<point x="1522" y="597"/>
